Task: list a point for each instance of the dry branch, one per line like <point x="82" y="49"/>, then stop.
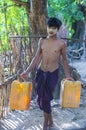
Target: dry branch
<point x="7" y="6"/>
<point x="10" y="79"/>
<point x="21" y="3"/>
<point x="30" y="36"/>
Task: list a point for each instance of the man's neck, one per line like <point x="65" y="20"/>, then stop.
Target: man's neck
<point x="52" y="37"/>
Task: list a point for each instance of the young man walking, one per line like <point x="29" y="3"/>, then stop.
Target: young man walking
<point x="48" y="53"/>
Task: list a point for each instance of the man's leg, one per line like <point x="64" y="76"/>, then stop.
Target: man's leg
<point x="46" y="120"/>
<point x="47" y="110"/>
<point x="50" y="120"/>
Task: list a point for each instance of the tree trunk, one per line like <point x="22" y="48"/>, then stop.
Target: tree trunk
<point x="79" y="26"/>
<point x="80" y="30"/>
<point x="37" y="23"/>
<point x="37" y="20"/>
<point x="84" y="44"/>
<point x="37" y="14"/>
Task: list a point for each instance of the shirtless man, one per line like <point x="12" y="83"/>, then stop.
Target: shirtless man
<point x="48" y="53"/>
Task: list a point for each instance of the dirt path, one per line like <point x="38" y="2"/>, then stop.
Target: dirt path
<point x="64" y="118"/>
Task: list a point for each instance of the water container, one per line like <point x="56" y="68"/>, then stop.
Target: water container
<point x="70" y="93"/>
<point x="20" y="95"/>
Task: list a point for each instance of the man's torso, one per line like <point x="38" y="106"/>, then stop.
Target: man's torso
<point x="50" y="49"/>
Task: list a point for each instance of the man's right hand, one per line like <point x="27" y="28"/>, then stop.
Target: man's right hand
<point x="23" y="75"/>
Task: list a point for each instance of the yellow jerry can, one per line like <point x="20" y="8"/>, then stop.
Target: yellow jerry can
<point x="20" y="95"/>
<point x="70" y="93"/>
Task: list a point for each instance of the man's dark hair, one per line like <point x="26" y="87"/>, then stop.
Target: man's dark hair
<point x="54" y="22"/>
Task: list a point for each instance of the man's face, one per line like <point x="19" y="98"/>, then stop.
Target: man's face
<point x="52" y="31"/>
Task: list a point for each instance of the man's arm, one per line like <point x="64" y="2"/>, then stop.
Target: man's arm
<point x="34" y="61"/>
<point x="36" y="58"/>
<point x="64" y="61"/>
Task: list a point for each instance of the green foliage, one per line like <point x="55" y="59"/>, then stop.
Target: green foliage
<point x="16" y="19"/>
<point x="12" y="20"/>
<point x="67" y="10"/>
<point x="83" y="2"/>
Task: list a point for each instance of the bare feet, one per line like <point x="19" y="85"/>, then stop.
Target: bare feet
<point x="46" y="117"/>
<point x="45" y="126"/>
<point x="50" y="121"/>
<point x="51" y="125"/>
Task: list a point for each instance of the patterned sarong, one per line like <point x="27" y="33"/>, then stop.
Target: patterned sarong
<point x="45" y="84"/>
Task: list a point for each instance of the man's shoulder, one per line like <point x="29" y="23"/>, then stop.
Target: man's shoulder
<point x="42" y="38"/>
<point x="41" y="41"/>
<point x="61" y="41"/>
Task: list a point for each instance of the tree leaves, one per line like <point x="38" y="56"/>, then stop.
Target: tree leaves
<point x="67" y="10"/>
<point x="12" y="19"/>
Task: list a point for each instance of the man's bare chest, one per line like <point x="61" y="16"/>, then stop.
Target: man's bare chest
<point x="50" y="48"/>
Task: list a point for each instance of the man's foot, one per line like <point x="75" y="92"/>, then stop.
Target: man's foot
<point x="51" y="125"/>
<point x="45" y="126"/>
